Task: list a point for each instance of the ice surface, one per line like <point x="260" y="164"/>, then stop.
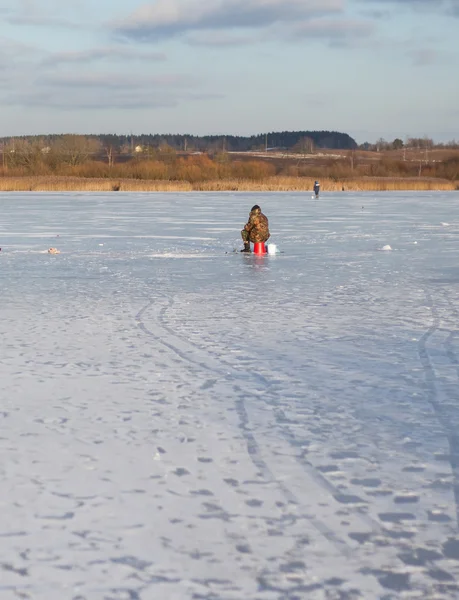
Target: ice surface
<point x="182" y="421"/>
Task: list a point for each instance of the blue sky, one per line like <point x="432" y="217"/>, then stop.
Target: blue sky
<point x="370" y="68"/>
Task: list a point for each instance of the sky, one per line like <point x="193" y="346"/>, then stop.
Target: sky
<point x="370" y="68"/>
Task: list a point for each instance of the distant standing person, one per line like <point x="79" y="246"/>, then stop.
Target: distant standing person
<point x="256" y="229"/>
<point x="316" y="188"/>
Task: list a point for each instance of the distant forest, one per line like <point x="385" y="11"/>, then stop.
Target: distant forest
<point x="285" y="140"/>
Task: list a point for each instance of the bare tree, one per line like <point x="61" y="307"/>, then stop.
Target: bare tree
<point x="381" y="144"/>
<point x="23" y="154"/>
<point x="75" y="149"/>
<point x="305" y="145"/>
<point x="110" y="153"/>
<point x="352" y="155"/>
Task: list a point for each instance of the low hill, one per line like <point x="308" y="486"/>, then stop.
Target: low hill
<point x="284" y="140"/>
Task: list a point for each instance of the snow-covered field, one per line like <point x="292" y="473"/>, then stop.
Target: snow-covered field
<point x="181" y="421"/>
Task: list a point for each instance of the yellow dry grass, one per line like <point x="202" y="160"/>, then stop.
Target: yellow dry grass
<point x="270" y="184"/>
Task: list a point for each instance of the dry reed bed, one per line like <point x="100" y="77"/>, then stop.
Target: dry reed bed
<point x="270" y="184"/>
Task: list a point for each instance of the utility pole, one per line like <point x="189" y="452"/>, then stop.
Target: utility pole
<point x="266" y="142"/>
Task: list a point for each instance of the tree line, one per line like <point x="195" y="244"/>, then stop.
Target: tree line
<point x="424" y="143"/>
<point x="81" y="156"/>
<point x="284" y="140"/>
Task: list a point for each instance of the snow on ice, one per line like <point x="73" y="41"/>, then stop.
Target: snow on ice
<point x="179" y="420"/>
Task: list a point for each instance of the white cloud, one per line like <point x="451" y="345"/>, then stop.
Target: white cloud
<point x="335" y="29"/>
<point x="218" y="39"/>
<point x="111" y="80"/>
<point x="166" y="18"/>
<point x="424" y="56"/>
<point x="438" y="6"/>
<point x="105" y="99"/>
<point x="42" y="21"/>
<point x="103" y="90"/>
<point x="110" y="53"/>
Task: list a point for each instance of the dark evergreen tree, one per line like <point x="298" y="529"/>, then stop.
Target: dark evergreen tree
<point x="284" y="140"/>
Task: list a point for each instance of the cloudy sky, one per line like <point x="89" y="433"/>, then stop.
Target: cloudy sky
<point x="370" y="68"/>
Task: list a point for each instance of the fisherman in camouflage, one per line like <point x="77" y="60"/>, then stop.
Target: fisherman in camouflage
<point x="256" y="228"/>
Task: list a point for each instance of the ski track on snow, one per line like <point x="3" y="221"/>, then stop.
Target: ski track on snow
<point x="433" y="396"/>
<point x="154" y="456"/>
<point x="189" y="352"/>
<point x="253" y="447"/>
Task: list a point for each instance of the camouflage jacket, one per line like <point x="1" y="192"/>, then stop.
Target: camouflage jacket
<point x="257" y="226"/>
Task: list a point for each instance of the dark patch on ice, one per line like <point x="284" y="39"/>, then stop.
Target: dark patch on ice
<point x="419" y="557"/>
<point x="335" y="581"/>
<point x="440" y="575"/>
<point x="254" y="503"/>
<point x="442" y="457"/>
<point x="408" y="499"/>
<point x="123" y="594"/>
<point x="244" y="548"/>
<point x="198" y="555"/>
<point x="66" y="516"/>
<point x="396" y="517"/>
<point x="22" y="571"/>
<point x="281" y="417"/>
<point x="367" y="482"/>
<point x="438" y="484"/>
<point x="344" y="454"/>
<point x="220" y="515"/>
<point x="395" y="581"/>
<point x="361" y="538"/>
<point x="231" y="482"/>
<point x="211" y="506"/>
<point x="348" y="499"/>
<point x="256" y="481"/>
<point x="451" y="549"/>
<point x="447" y="588"/>
<point x="390" y="579"/>
<point x="328" y="468"/>
<point x="132" y="561"/>
<point x="380" y="493"/>
<point x="275" y="533"/>
<point x="201" y="493"/>
<point x="203" y="459"/>
<point x="292" y="567"/>
<point x="180" y="472"/>
<point x="298" y="442"/>
<point x="208" y="384"/>
<point x="413" y="469"/>
<point x="438" y="517"/>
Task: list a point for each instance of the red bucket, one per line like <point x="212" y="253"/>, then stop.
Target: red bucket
<point x="259" y="248"/>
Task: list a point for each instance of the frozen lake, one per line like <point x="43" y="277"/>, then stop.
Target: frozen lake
<point x="181" y="421"/>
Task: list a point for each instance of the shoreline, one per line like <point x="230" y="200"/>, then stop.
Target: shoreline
<point x="271" y="184"/>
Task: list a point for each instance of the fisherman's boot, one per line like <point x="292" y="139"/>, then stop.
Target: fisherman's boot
<point x="246" y="247"/>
